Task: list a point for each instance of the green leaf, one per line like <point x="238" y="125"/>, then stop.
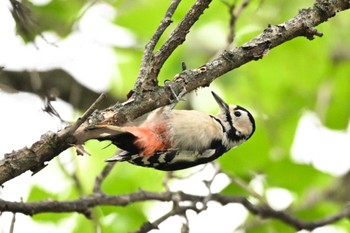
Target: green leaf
<point x="338" y="111"/>
<point x="123" y="219"/>
<point x="126" y="178"/>
<point x="89" y="167"/>
<point x="297" y="178"/>
<point x="38" y="194"/>
<point x="82" y="224"/>
<point x="267" y="226"/>
<point x="319" y="211"/>
<point x="250" y="156"/>
<point x="58" y="15"/>
<point x="234" y="189"/>
<point x="132" y="15"/>
<point x="129" y="62"/>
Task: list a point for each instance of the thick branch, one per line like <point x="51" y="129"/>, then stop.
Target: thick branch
<point x="84" y="204"/>
<point x="50" y="146"/>
<point x="267" y="212"/>
<point x="303" y="24"/>
<point x="51" y="84"/>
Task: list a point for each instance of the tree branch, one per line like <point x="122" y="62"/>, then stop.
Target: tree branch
<point x="152" y="63"/>
<point x="178" y="36"/>
<point x="84" y="204"/>
<point x="235" y="12"/>
<point x="51" y="145"/>
<point x="100" y="178"/>
<point x="51" y="84"/>
<point x="148" y="226"/>
<point x="148" y="53"/>
<point x="303" y="24"/>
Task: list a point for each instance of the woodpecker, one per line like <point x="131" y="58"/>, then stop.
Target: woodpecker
<point x="177" y="139"/>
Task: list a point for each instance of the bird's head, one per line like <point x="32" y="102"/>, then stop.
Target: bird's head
<point x="238" y="123"/>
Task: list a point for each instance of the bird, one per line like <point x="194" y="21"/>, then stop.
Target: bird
<point x="171" y="140"/>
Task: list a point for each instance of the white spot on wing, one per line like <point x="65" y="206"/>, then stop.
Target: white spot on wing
<point x="190" y="156"/>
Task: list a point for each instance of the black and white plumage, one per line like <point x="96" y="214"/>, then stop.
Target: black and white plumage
<point x="178" y="139"/>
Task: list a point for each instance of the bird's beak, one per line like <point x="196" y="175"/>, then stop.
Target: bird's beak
<point x="223" y="106"/>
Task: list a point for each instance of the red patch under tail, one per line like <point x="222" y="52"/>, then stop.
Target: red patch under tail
<point x="150" y="141"/>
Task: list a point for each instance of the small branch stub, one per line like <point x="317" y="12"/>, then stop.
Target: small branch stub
<point x="311" y="32"/>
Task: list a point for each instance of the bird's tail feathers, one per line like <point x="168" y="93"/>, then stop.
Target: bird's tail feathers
<point x="119" y="157"/>
<point x="104" y="131"/>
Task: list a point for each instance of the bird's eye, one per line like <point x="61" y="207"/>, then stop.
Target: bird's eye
<point x="237" y="113"/>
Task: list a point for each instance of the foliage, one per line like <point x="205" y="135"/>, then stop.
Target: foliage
<point x="278" y="88"/>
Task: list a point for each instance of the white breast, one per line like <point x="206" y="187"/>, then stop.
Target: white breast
<point x="193" y="130"/>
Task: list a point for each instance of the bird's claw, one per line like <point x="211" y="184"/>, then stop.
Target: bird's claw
<point x="178" y="97"/>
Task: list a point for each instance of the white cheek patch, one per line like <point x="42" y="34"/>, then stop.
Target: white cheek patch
<point x="243" y="125"/>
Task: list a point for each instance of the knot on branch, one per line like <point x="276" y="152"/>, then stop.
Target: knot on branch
<point x="257" y="49"/>
<point x="228" y="56"/>
<point x="275" y="30"/>
<point x="326" y="9"/>
<point x="311" y="32"/>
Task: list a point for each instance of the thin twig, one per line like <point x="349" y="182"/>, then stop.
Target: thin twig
<point x="235" y="12"/>
<point x="84" y="117"/>
<point x="185" y="228"/>
<point x="217" y="171"/>
<point x="148" y="226"/>
<point x="176" y="210"/>
<point x="152" y="63"/>
<point x="164" y="24"/>
<point x="12" y="226"/>
<point x="100" y="178"/>
<point x="178" y="36"/>
<point x="73" y="176"/>
<point x="146" y="61"/>
<point x="246" y="187"/>
<point x="166" y="180"/>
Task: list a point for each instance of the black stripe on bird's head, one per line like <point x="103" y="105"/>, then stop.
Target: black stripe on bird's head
<point x="251" y="120"/>
<point x="235" y="119"/>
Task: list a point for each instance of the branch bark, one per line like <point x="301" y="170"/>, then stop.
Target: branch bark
<point x="148" y="55"/>
<point x="51" y="84"/>
<point x="153" y="62"/>
<point x="84" y="204"/>
<point x="51" y="145"/>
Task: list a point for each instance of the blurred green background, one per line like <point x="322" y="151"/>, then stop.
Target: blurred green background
<point x="295" y="77"/>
